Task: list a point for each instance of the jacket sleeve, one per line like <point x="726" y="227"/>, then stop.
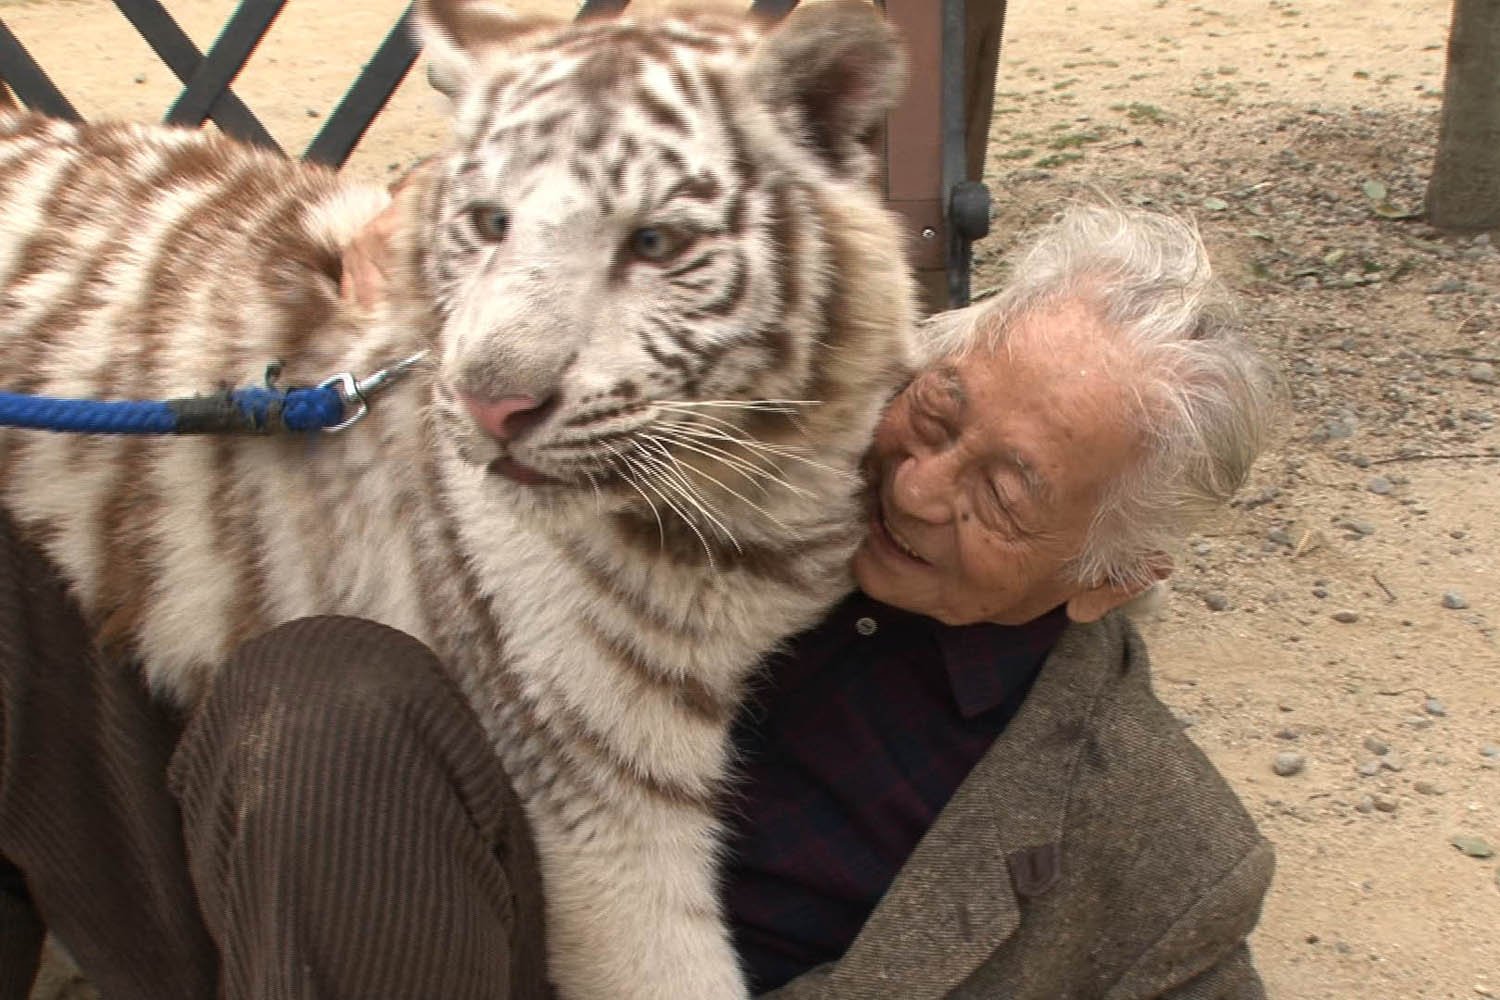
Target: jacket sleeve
<point x="1203" y="954"/>
<point x="808" y="986"/>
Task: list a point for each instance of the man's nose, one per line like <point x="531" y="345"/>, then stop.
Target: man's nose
<point x="923" y="488"/>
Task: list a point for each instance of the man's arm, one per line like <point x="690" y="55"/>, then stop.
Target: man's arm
<point x="1233" y="978"/>
<point x="1213" y="930"/>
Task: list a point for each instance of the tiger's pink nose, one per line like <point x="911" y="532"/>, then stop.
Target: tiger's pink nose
<point x="509" y="418"/>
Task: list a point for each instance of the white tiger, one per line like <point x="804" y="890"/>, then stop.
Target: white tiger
<point x="663" y="307"/>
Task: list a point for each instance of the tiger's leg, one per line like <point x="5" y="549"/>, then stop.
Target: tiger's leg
<point x="85" y="816"/>
<point x="634" y="910"/>
<point x="349" y="829"/>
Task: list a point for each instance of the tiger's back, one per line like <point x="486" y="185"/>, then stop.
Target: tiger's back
<point x="663" y="308"/>
<point x="140" y="262"/>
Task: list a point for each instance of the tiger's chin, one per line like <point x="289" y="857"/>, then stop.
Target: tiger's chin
<point x="523" y="475"/>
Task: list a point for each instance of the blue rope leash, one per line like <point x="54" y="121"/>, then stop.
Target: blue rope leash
<point x="336" y="404"/>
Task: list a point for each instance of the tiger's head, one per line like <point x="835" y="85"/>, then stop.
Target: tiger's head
<point x="654" y="256"/>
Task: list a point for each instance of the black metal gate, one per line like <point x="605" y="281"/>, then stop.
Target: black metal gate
<point x="926" y="164"/>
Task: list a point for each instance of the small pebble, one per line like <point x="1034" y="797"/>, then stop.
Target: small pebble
<point x="1216" y="602"/>
<point x="1345" y="617"/>
<point x="1377" y="746"/>
<point x="1385" y="803"/>
<point x="1280" y="536"/>
<point x="1287" y="763"/>
<point x="1418" y="721"/>
<point x="1490" y="750"/>
<point x="1428" y="788"/>
<point x="1483" y="372"/>
<point x="1379" y="485"/>
<point x="1369" y="768"/>
<point x="1366" y="804"/>
<point x="1357" y="527"/>
<point x="1320" y="592"/>
<point x="1434" y="707"/>
<point x="1474" y="847"/>
<point x="1393" y="762"/>
<point x="1454" y="601"/>
<point x="1292" y="734"/>
<point x="140" y="78"/>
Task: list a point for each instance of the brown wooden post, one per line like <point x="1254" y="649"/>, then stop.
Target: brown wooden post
<point x="914" y="146"/>
<point x="917" y="185"/>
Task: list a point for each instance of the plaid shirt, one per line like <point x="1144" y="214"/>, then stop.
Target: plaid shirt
<point x="852" y="746"/>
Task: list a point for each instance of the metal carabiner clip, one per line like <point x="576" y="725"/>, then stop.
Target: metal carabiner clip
<point x="356" y="393"/>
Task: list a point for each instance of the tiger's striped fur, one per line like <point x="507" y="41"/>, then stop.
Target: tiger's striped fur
<point x="710" y="405"/>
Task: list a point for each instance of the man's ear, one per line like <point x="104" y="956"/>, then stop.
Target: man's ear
<point x="1092" y="604"/>
<point x="458" y="35"/>
<point x="836" y="68"/>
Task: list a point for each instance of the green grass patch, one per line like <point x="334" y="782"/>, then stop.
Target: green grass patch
<point x="1144" y="114"/>
<point x="1058" y="160"/>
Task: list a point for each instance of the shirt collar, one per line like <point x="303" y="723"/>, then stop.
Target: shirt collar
<point x="988" y="663"/>
<point x="985" y="663"/>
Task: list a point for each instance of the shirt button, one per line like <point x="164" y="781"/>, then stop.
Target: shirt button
<point x="866" y="626"/>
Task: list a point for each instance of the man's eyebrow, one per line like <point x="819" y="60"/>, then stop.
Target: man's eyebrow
<point x="953" y="385"/>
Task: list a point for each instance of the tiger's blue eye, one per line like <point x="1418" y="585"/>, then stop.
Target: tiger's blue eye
<point x="490" y="222"/>
<point x="652" y="244"/>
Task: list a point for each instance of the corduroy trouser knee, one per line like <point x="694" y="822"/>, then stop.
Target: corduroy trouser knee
<point x="329" y="822"/>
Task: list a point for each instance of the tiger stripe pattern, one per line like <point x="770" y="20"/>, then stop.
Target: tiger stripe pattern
<point x="662" y="307"/>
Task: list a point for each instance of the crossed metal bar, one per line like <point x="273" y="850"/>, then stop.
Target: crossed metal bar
<point x="206" y="78"/>
<point x="944" y="211"/>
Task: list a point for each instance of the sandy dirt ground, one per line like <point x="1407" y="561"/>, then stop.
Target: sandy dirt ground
<point x="1340" y="620"/>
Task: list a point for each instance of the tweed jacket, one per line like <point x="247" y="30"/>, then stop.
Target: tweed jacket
<point x="1093" y="854"/>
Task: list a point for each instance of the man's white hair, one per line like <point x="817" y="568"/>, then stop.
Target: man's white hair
<point x="1205" y="398"/>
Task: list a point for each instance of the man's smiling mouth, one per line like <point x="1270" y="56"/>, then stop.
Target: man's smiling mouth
<point x="889" y="535"/>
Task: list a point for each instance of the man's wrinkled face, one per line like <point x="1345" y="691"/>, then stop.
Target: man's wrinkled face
<point x="989" y="468"/>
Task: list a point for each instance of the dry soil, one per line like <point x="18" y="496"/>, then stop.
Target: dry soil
<point x="1344" y="611"/>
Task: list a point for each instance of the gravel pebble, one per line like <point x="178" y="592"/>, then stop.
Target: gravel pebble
<point x="1483" y="372"/>
<point x="1216" y="602"/>
<point x="1366" y="804"/>
<point x="1320" y="592"/>
<point x="1380" y="486"/>
<point x="1454" y="601"/>
<point x="1428" y="788"/>
<point x="1287" y="763"/>
<point x="1393" y="762"/>
<point x="1355" y="526"/>
<point x="1434" y="707"/>
<point x="1345" y="617"/>
<point x="1369" y="768"/>
<point x="1292" y="734"/>
<point x="1385" y="803"/>
<point x="1377" y="746"/>
<point x="1490" y="750"/>
<point x="1474" y="847"/>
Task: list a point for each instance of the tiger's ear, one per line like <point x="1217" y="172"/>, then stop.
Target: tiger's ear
<point x="838" y="68"/>
<point x="458" y="36"/>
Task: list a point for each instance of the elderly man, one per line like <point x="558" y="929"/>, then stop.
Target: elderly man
<point x="959" y="785"/>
